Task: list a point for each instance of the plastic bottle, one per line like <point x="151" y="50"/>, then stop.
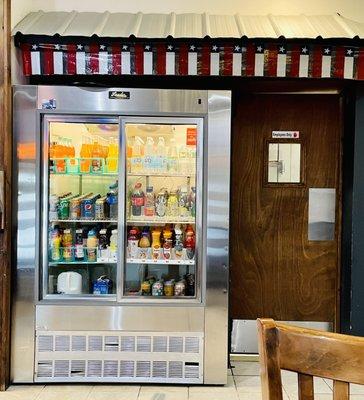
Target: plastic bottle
<point x="85" y="155"/>
<point x="114" y="244"/>
<point x="92" y="243"/>
<point x="161" y="164"/>
<point x="137" y="200"/>
<point x="167" y="245"/>
<point x="183" y="202"/>
<point x="79" y="250"/>
<point x="190" y="242"/>
<point x="55" y="245"/>
<point x="112" y="158"/>
<point x="183" y="160"/>
<point x="136" y="161"/>
<point x="178" y="246"/>
<point x="133" y="242"/>
<point x="192" y="201"/>
<point x="172" y="164"/>
<point x="149" y="202"/>
<point x="67" y="240"/>
<point x="156" y="243"/>
<point x="149" y="156"/>
<point x="97" y="155"/>
<point x="144" y="244"/>
<point x="112" y="200"/>
<point x="72" y="166"/>
<point x="103" y="245"/>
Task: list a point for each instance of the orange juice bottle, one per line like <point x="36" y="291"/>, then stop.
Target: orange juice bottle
<point x="156" y="243"/>
<point x="59" y="155"/>
<point x="97" y="155"/>
<point x="85" y="155"/>
<point x="72" y="162"/>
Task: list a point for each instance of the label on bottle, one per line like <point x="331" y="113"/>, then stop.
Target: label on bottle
<point x="79" y="251"/>
<point x="137" y="201"/>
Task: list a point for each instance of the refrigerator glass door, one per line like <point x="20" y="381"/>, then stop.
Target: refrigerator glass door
<point x="80" y="206"/>
<point x="162" y="208"/>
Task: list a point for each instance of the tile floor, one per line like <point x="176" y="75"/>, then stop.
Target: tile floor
<point x="243" y="384"/>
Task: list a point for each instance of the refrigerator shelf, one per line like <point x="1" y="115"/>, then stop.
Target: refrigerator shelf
<point x="161" y="220"/>
<point x="159" y="262"/>
<point x="108" y="174"/>
<point x="163" y="175"/>
<point x="55" y="263"/>
<point x="89" y="221"/>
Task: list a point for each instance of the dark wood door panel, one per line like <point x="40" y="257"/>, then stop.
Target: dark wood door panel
<point x="275" y="271"/>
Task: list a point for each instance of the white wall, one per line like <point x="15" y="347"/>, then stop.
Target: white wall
<point x="349" y="8"/>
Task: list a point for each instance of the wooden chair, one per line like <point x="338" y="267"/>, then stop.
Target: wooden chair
<point x="309" y="353"/>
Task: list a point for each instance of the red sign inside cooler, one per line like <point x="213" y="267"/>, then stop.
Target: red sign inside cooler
<point x="191" y="136"/>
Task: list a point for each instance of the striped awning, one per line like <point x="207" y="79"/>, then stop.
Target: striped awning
<point x="63" y="43"/>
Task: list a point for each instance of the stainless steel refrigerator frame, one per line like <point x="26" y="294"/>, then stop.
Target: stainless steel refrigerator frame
<point x="206" y="316"/>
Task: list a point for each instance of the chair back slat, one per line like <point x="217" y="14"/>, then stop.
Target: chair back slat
<point x="309" y="353"/>
<point x="341" y="390"/>
<point x="305" y="387"/>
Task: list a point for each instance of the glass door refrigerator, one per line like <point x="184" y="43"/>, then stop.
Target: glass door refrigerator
<point x="121" y="250"/>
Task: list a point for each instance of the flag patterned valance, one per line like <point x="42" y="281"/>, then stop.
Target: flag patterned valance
<point x="289" y="59"/>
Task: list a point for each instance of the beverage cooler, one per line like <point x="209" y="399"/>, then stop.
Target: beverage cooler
<point x="121" y="219"/>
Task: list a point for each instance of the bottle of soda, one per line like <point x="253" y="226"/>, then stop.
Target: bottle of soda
<point x="137" y="200"/>
<point x="190" y="242"/>
<point x="103" y="244"/>
<point x="112" y="200"/>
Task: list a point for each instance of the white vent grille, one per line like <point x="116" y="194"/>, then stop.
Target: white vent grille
<point x="62" y="343"/>
<point x="45" y="343"/>
<point x="142" y="369"/>
<point x="159" y="369"/>
<point x="95" y="343"/>
<point x="191" y="370"/>
<point x="192" y="345"/>
<point x="144" y="344"/>
<point x="94" y="368"/>
<point x="160" y="344"/>
<point x="111" y="343"/>
<point x="127" y="343"/>
<point x="117" y="356"/>
<point x="175" y="344"/>
<point x="175" y="369"/>
<point x="126" y="369"/>
<point x="110" y="369"/>
<point x="61" y="368"/>
<point x="45" y="369"/>
<point x="78" y="368"/>
<point x="78" y="343"/>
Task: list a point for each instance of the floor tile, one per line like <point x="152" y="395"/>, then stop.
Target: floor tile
<point x="169" y="389"/>
<point x="248" y="384"/>
<point x="64" y="388"/>
<point x="112" y="396"/>
<point x="163" y="395"/>
<point x="245" y="368"/>
<point x="18" y="395"/>
<point x="290" y="384"/>
<point x="77" y="395"/>
<point x="356" y="389"/>
<point x="115" y="388"/>
<point x="212" y="396"/>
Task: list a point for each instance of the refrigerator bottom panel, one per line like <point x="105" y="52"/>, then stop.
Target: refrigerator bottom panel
<point x="111" y="356"/>
<point x="120" y="318"/>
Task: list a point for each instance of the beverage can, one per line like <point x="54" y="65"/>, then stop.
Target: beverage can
<point x="88" y="207"/>
<point x="64" y="208"/>
<point x="100" y="208"/>
<point x="180" y="288"/>
<point x="75" y="208"/>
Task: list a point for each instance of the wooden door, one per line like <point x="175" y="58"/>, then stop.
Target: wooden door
<point x="276" y="271"/>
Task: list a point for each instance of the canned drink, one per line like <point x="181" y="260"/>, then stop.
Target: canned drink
<point x="64" y="208"/>
<point x="157" y="289"/>
<point x="145" y="288"/>
<point x="88" y="207"/>
<point x="169" y="288"/>
<point x="100" y="208"/>
<point x="75" y="208"/>
<point x="179" y="288"/>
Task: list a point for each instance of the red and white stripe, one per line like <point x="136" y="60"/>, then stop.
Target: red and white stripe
<point x="103" y="60"/>
<point x="192" y="60"/>
<point x="214" y="60"/>
<point x="58" y="60"/>
<point x="237" y="60"/>
<point x="148" y="60"/>
<point x="326" y="62"/>
<point x="304" y="62"/>
<point x="259" y="61"/>
<point x="35" y="59"/>
<point x="80" y="60"/>
<point x="170" y="60"/>
<point x="349" y="63"/>
<point x="125" y="60"/>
